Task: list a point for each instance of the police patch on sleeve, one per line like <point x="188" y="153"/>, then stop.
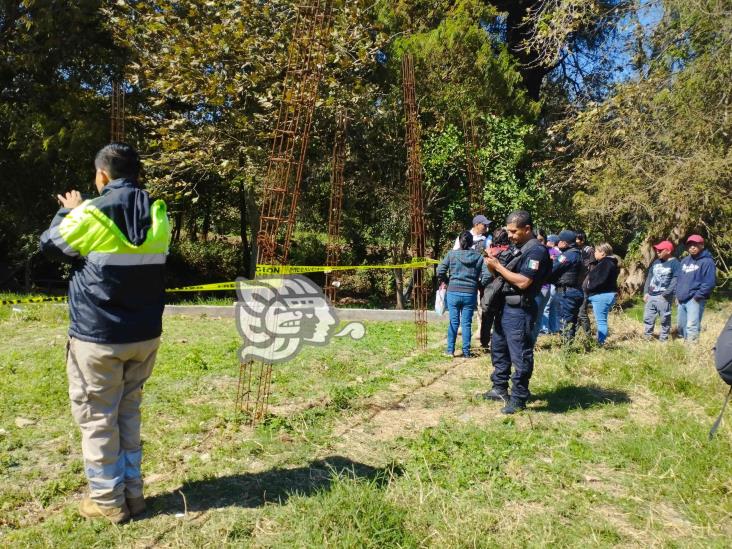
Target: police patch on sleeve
<point x="533" y="264"/>
<point x="562" y="258"/>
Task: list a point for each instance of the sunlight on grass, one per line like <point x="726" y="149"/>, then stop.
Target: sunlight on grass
<point x="370" y="443"/>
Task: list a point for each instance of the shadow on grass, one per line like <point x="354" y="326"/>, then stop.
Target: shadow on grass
<point x="257" y="489"/>
<point x="564" y="399"/>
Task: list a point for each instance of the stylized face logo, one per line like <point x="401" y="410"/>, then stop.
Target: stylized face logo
<point x="277" y="315"/>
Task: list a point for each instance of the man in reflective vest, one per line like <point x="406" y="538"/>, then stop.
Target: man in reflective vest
<point x="117" y="244"/>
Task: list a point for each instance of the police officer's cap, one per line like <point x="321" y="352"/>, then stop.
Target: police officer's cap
<point x="568" y="236"/>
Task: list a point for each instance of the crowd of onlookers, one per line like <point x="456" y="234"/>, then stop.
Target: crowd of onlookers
<point x="524" y="284"/>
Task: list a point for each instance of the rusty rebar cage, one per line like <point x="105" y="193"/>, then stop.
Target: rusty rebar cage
<point x="280" y="191"/>
<point x="333" y="247"/>
<point x="470" y="135"/>
<point x="416" y="200"/>
<point x="117" y="113"/>
<point x="253" y="390"/>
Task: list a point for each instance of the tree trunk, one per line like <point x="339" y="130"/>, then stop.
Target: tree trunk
<point x="634" y="273"/>
<point x="532" y="72"/>
<point x="192" y="228"/>
<point x="437" y="239"/>
<point x="246" y="251"/>
<point x="408" y="290"/>
<point x="177" y="223"/>
<point x="253" y="218"/>
<point x="206" y="227"/>
<point x="27" y="281"/>
<point x="399" y="283"/>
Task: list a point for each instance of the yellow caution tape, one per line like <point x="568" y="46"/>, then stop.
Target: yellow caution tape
<point x="205" y="287"/>
<point x="262" y="270"/>
<point x="216" y="286"/>
<point x="41" y="299"/>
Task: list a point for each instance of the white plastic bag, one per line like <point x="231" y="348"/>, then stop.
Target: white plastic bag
<point x="440" y="299"/>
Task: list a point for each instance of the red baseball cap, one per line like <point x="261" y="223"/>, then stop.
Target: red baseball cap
<point x="665" y="245"/>
<point x="695" y="238"/>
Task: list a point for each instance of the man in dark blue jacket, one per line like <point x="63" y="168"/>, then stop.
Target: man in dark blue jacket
<point x="696" y="282"/>
<point x="512" y="342"/>
<point x="117" y="244"/>
<point x="567" y="277"/>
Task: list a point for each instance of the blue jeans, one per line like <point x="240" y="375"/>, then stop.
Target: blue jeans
<point x="550" y="316"/>
<point x="570" y="301"/>
<point x="541" y="301"/>
<point x="690" y="317"/>
<point x="601" y="305"/>
<point x="461" y="307"/>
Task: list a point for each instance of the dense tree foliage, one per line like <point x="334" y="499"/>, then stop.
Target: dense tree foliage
<point x="654" y="159"/>
<point x="610" y="114"/>
<point x="56" y="61"/>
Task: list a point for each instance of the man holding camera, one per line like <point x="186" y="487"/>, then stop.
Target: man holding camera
<point x="117" y="244"/>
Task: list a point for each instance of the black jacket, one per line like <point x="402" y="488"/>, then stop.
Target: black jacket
<point x="723" y="353"/>
<point x="603" y="278"/>
<point x="567" y="269"/>
<point x="117" y="244"/>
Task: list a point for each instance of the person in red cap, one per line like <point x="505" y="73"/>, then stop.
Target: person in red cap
<point x="659" y="290"/>
<point x="696" y="282"/>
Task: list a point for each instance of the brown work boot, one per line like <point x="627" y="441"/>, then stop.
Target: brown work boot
<point x="90" y="509"/>
<point x="136" y="505"/>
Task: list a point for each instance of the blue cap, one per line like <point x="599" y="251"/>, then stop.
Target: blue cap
<point x="568" y="236"/>
<point x="552" y="238"/>
<point x="481" y="219"/>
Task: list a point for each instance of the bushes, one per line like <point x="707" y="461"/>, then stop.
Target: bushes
<point x="216" y="260"/>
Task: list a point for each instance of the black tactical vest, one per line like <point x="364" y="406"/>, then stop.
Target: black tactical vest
<point x="571" y="278"/>
<point x="515" y="264"/>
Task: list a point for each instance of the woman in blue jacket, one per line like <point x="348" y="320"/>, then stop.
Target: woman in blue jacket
<point x="466" y="270"/>
<point x="696" y="282"/>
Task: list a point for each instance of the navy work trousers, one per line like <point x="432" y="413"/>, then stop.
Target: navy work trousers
<point x="570" y="301"/>
<point x="512" y="343"/>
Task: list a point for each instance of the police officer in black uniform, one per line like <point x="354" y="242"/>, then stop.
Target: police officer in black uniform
<point x="512" y="342"/>
<point x="566" y="276"/>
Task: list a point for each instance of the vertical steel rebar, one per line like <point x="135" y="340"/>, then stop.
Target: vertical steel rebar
<point x="414" y="176"/>
<point x="333" y="248"/>
<point x="470" y="134"/>
<point x="281" y="188"/>
<point x="117" y="115"/>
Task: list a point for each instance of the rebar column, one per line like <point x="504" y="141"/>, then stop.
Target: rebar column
<point x="117" y="114"/>
<point x="281" y="188"/>
<point x="280" y="191"/>
<point x="333" y="248"/>
<point x="470" y="134"/>
<point x="416" y="200"/>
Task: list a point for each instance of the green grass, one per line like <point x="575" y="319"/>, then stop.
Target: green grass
<point x="370" y="444"/>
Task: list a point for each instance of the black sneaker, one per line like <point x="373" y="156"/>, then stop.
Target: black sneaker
<point x="513" y="406"/>
<point x="497" y="395"/>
